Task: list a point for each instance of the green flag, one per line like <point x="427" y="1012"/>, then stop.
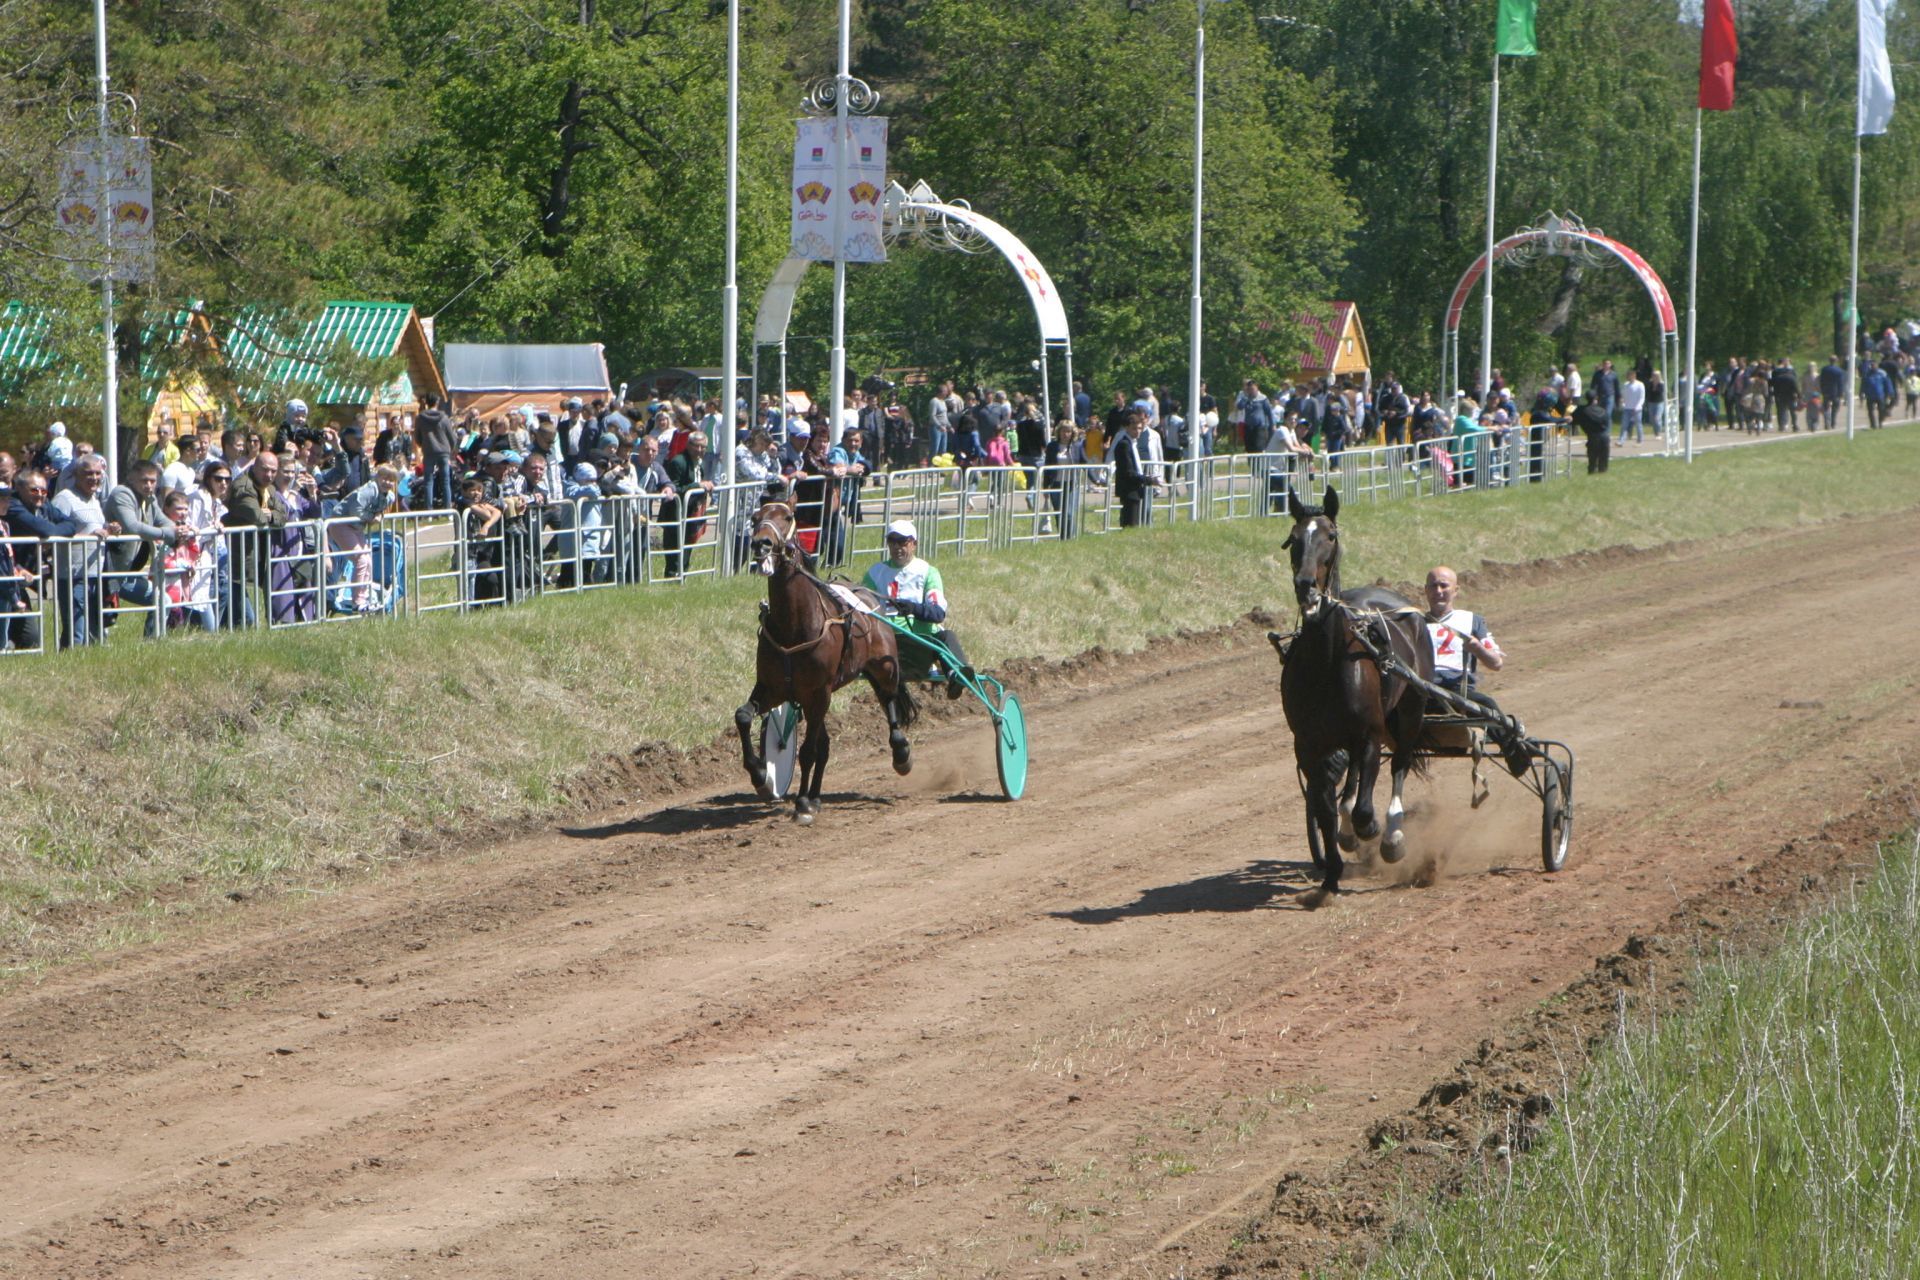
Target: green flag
<point x="1513" y="34"/>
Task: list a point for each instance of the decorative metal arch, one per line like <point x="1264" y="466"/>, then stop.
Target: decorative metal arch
<point x="1569" y="238"/>
<point x="922" y="216"/>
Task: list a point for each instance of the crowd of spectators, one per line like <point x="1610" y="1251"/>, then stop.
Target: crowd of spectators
<point x="218" y="518"/>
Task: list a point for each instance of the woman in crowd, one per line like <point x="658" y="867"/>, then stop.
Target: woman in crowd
<point x="292" y="597"/>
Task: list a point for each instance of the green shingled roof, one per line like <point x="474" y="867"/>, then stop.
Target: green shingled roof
<point x="296" y="365"/>
<point x="27" y="353"/>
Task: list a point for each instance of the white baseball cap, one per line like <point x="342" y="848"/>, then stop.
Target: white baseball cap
<point x="903" y="529"/>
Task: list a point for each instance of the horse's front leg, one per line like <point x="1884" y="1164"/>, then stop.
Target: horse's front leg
<point x="813" y="762"/>
<point x="1349" y="787"/>
<point x="1366" y="824"/>
<point x="758" y="704"/>
<point x="1323" y="822"/>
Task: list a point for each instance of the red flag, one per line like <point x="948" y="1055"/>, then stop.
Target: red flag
<point x="1719" y="50"/>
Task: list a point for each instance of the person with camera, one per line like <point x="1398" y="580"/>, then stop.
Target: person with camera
<point x="348" y="467"/>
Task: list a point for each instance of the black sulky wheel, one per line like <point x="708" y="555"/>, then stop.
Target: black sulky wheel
<point x="1556" y="816"/>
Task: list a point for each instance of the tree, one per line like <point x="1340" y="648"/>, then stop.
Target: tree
<point x="1072" y="123"/>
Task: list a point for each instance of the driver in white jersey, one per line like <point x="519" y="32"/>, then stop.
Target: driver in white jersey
<point x="912" y="589"/>
<point x="1461" y="642"/>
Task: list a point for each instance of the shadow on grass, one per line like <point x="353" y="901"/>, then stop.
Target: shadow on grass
<point x="721" y="813"/>
<point x="1253" y="887"/>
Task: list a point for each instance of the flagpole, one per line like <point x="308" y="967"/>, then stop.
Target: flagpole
<point x="837" y="394"/>
<point x="730" y="291"/>
<point x="1693" y="284"/>
<point x="1486" y="304"/>
<point x="1853" y="297"/>
<point x="110" y="393"/>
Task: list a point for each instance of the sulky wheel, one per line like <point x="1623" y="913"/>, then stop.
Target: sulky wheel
<point x="1556" y="817"/>
<point x="780" y="746"/>
<point x="1010" y="746"/>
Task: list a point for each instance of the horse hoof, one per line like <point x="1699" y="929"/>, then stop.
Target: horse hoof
<point x="903" y="765"/>
<point x="1314" y="899"/>
<point x="1347" y="840"/>
<point x="802" y="817"/>
<point x="1394" y="846"/>
<point x="761" y="789"/>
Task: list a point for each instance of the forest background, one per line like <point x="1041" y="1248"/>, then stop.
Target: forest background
<point x="552" y="171"/>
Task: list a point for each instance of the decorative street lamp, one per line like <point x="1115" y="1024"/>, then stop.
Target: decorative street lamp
<point x="1193" y="303"/>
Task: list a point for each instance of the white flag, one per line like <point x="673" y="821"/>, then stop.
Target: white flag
<point x="1876" y="72"/>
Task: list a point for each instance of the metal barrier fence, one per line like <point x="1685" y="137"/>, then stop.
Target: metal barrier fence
<point x="72" y="591"/>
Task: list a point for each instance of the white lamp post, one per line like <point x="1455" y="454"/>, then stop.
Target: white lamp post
<point x="1193" y="303"/>
<point x="730" y="292"/>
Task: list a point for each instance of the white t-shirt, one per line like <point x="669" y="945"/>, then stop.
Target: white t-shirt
<point x="1450" y="652"/>
<point x="178" y="475"/>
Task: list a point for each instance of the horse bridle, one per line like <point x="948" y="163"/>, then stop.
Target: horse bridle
<point x="1323" y="590"/>
<point x="769" y="544"/>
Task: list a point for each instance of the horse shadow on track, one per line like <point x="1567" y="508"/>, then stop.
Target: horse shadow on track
<point x="721" y="813"/>
<point x="1252" y="888"/>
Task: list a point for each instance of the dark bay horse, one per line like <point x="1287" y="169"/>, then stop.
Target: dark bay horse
<point x="1341" y="708"/>
<point x="812" y="643"/>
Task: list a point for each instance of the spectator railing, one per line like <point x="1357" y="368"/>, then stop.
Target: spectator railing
<point x="329" y="569"/>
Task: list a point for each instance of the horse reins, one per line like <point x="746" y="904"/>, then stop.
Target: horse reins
<point x="843" y="615"/>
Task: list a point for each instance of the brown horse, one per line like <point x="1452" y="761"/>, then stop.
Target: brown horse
<point x="1341" y="707"/>
<point x="812" y="643"/>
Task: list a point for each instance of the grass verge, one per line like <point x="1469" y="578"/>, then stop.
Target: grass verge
<point x="150" y="779"/>
<point x="1767" y="1131"/>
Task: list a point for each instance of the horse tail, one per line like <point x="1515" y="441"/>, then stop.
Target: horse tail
<point x="906" y="708"/>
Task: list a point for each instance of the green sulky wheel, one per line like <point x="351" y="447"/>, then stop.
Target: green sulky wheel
<point x="1010" y="746"/>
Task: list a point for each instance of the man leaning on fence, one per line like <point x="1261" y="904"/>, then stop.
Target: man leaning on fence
<point x="135" y="508"/>
<point x="77" y="580"/>
<point x="256" y="508"/>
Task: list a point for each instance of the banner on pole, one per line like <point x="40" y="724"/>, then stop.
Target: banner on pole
<point x="102" y="188"/>
<point x="1719" y="51"/>
<point x="813" y="193"/>
<point x="866" y="183"/>
<point x="1876" y="72"/>
<point x="1513" y="30"/>
<point x="828" y="223"/>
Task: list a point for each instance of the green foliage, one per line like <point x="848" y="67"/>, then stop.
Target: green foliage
<point x="552" y="170"/>
<point x="1073" y="124"/>
<point x="1600" y="125"/>
<point x="571" y="169"/>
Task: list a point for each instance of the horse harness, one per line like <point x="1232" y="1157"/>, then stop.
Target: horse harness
<point x="843" y="618"/>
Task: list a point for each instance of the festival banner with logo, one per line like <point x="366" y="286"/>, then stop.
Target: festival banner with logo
<point x="821" y="214"/>
<point x="98" y="187"/>
<point x="866" y="182"/>
<point x="813" y="193"/>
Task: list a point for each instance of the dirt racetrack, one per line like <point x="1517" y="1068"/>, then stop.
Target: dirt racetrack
<point x="936" y="1035"/>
